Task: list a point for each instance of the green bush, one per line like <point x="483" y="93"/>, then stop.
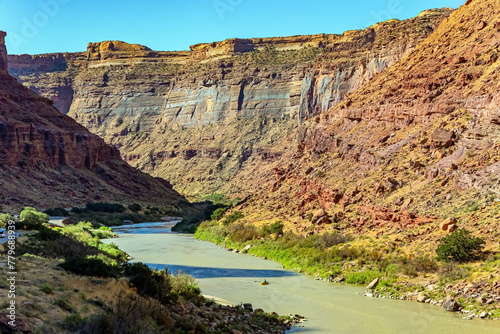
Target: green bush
<point x="327" y="240"/>
<point x="4" y="219"/>
<point x="76" y="209"/>
<point x="274" y="228"/>
<point x="32" y="218"/>
<point x="101" y="234"/>
<point x="135" y="207"/>
<point x="48" y="234"/>
<point x="459" y="246"/>
<point x="277" y="227"/>
<point x="217" y="215"/>
<point x="105" y="207"/>
<point x="57" y="212"/>
<point x="232" y="218"/>
<point x="362" y="277"/>
<point x="46" y="288"/>
<point x="114" y="251"/>
<point x="185" y="286"/>
<point x="242" y="233"/>
<point x="64" y="304"/>
<point x="90" y="267"/>
<point x="152" y="283"/>
<point x="412" y="266"/>
<point x="451" y="272"/>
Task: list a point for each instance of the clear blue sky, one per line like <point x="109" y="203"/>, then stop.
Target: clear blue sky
<point x="43" y="26"/>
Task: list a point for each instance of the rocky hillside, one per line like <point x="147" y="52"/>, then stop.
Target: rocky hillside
<point x="48" y="159"/>
<point x="416" y="145"/>
<point x="390" y="184"/>
<point x="208" y="119"/>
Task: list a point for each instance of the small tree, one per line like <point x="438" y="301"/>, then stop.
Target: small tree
<point x="459" y="246"/>
<point x="217" y="215"/>
<point x="135" y="207"/>
<point x="4" y="219"/>
<point x="33" y="218"/>
<point x="57" y="212"/>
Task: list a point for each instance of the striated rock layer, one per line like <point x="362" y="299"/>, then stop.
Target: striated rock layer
<point x="167" y="112"/>
<point x="47" y="158"/>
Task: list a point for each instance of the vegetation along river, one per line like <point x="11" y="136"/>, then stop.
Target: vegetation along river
<point x="329" y="308"/>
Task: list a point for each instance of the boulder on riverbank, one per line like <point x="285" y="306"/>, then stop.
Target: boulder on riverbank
<point x="373" y="284"/>
<point x="451" y="305"/>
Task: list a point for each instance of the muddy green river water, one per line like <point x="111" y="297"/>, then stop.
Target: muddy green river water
<point x="329" y="308"/>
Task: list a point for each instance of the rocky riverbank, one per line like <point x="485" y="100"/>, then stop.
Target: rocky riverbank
<point x="479" y="299"/>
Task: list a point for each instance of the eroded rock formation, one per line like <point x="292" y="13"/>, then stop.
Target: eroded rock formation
<point x="167" y="111"/>
<point x="47" y="158"/>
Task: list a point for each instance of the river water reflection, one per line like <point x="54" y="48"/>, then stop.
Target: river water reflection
<point x="329" y="308"/>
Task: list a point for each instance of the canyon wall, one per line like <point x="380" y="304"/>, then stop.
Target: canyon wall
<point x="48" y="159"/>
<point x="419" y="142"/>
<point x="168" y="110"/>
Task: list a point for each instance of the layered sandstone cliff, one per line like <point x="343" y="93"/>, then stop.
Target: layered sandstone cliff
<point x="168" y="110"/>
<point x="49" y="159"/>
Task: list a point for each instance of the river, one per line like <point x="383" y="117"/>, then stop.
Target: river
<point x="329" y="308"/>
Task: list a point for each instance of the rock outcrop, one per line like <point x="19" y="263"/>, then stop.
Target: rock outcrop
<point x="49" y="159"/>
<point x="3" y="53"/>
<point x="168" y="110"/>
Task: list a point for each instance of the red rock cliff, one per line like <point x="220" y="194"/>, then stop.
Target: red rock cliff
<point x="45" y="152"/>
<point x="3" y="53"/>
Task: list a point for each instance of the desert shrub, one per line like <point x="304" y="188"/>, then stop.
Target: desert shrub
<point x="32" y="218"/>
<point x="328" y="240"/>
<point x="451" y="271"/>
<point x="90" y="267"/>
<point x="349" y="252"/>
<point x="411" y="266"/>
<point x="105" y="207"/>
<point x="74" y="322"/>
<point x="242" y="233"/>
<point x="102" y="234"/>
<point x="64" y="304"/>
<point x="129" y="315"/>
<point x="46" y="288"/>
<point x="185" y="286"/>
<point x="232" y="218"/>
<point x="152" y="283"/>
<point x="276" y="228"/>
<point x="79" y="232"/>
<point x="459" y="246"/>
<point x="135" y="207"/>
<point x="57" y="212"/>
<point x="76" y="209"/>
<point x="471" y="207"/>
<point x="4" y="219"/>
<point x="361" y="277"/>
<point x="218" y="213"/>
<point x="47" y="234"/>
<point x="114" y="251"/>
